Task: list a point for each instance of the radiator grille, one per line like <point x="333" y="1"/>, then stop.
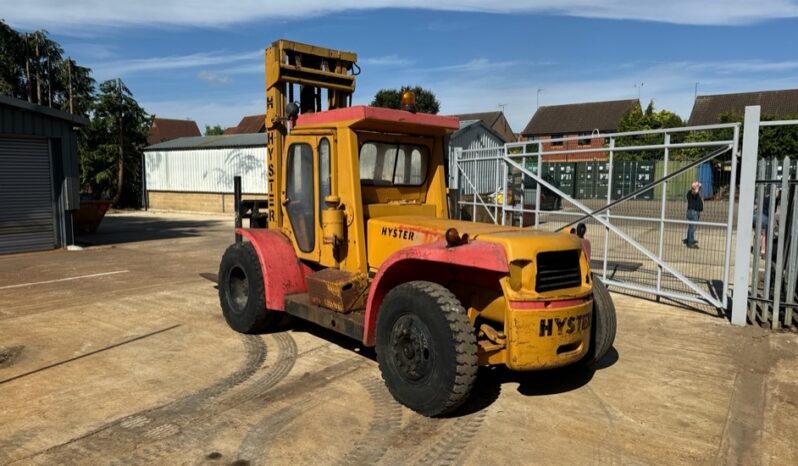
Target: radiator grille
<point x="558" y="270"/>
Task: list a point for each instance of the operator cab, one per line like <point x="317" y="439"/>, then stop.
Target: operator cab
<point x="374" y="163"/>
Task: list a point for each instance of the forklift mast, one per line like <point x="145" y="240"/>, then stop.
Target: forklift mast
<point x="312" y="69"/>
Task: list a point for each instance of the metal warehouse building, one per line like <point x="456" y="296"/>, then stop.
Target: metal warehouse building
<point x="196" y="173"/>
<point x="39" y="176"/>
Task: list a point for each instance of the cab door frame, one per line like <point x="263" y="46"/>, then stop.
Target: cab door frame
<point x="313" y="210"/>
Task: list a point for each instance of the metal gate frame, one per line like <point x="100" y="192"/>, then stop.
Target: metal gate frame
<point x="603" y="216"/>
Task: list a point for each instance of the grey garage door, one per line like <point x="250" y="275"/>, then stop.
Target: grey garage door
<point x="26" y="195"/>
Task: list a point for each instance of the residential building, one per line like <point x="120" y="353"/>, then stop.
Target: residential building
<point x="165" y="129"/>
<point x="579" y="121"/>
<point x="708" y="109"/>
<point x="248" y="125"/>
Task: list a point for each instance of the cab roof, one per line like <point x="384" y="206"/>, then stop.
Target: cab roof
<point x="380" y="119"/>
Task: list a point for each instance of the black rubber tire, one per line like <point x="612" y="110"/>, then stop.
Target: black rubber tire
<point x="603" y="327"/>
<point x="441" y="378"/>
<point x="241" y="291"/>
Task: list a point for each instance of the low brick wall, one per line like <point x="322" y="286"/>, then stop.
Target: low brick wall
<point x="194" y="202"/>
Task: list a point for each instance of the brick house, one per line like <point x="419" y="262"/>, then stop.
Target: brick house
<point x="574" y="120"/>
<point x="249" y="125"/>
<point x="166" y="129"/>
<point x="708" y="109"/>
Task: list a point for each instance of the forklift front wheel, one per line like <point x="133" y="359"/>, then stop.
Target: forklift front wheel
<point x="602" y="332"/>
<point x="426" y="348"/>
<point x="241" y="291"/>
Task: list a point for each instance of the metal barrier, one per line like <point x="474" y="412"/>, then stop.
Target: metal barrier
<point x="766" y="256"/>
<point x="637" y="244"/>
<point x="640" y="213"/>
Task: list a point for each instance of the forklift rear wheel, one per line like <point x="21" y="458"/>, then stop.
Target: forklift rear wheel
<point x="426" y="348"/>
<point x="241" y="291"/>
<point x="602" y="331"/>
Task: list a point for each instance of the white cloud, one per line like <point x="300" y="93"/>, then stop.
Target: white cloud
<point x="213" y="78"/>
<point x="74" y="16"/>
<point x="479" y="65"/>
<point x="386" y="60"/>
<point x="194" y="60"/>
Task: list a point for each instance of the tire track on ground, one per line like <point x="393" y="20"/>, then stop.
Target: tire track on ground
<point x="154" y="423"/>
<point x="386" y="419"/>
<point x="454" y="441"/>
<point x="200" y="427"/>
<point x="301" y="396"/>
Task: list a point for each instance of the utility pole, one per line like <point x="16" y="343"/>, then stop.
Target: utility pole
<point x="639" y="87"/>
<point x="537" y="101"/>
<point x="69" y="79"/>
<point x="49" y="83"/>
<point x="695" y="93"/>
<point x="27" y="68"/>
<point x="38" y="75"/>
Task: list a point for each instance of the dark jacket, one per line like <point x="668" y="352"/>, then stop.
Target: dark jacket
<point x="694" y="201"/>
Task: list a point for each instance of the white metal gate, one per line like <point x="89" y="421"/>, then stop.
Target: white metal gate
<point x="637" y="220"/>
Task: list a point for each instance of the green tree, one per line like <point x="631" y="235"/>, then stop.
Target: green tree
<point x="32" y="68"/>
<point x="12" y="59"/>
<point x="774" y="141"/>
<point x="111" y="163"/>
<point x="636" y="119"/>
<point x="213" y="130"/>
<point x="392" y="98"/>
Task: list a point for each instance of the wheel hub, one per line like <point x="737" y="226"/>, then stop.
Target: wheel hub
<point x="239" y="289"/>
<point x="410" y="347"/>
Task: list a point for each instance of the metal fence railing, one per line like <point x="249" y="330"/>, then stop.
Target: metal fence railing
<point x="637" y="243"/>
<point x="632" y="194"/>
<point x="766" y="248"/>
<point x="774" y="268"/>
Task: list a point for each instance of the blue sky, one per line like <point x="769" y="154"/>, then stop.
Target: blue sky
<point x="203" y="59"/>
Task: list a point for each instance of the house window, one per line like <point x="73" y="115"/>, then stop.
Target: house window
<point x="556" y="136"/>
<point x="584" y="139"/>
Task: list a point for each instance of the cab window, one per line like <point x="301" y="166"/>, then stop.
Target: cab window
<point x="299" y="194"/>
<point x="388" y="164"/>
<point x="324" y="172"/>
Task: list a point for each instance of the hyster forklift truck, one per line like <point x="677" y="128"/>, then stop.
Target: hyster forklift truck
<point x="356" y="237"/>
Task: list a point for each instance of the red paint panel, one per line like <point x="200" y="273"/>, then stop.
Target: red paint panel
<point x="477" y="255"/>
<point x="283" y="273"/>
<point x="376" y="113"/>
<point x="586" y="248"/>
<point x="546" y="305"/>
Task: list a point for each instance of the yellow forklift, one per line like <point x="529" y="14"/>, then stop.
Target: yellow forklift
<point x="356" y="237"/>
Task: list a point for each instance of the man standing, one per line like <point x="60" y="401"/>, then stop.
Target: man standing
<point x="694" y="207"/>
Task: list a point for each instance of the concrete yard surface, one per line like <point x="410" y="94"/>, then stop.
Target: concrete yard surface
<point x="118" y="354"/>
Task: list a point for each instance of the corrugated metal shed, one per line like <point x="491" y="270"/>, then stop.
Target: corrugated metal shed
<point x="39" y="176"/>
<point x="477" y="140"/>
<point x="207" y="164"/>
<point x="207" y="142"/>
